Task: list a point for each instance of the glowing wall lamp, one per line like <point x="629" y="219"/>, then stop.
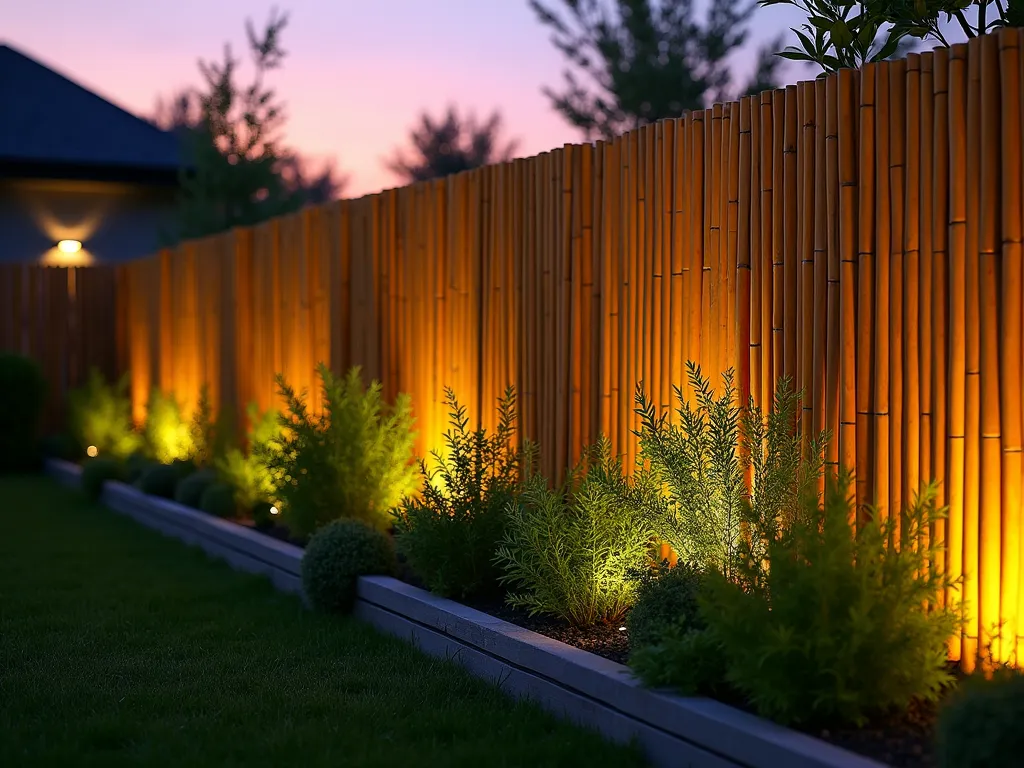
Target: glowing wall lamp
<point x="69" y="246"/>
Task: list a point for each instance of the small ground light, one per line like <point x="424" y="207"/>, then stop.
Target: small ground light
<point x="275" y="511"/>
<point x="92" y="451"/>
<point x="622" y="629"/>
<point x="69" y="246"/>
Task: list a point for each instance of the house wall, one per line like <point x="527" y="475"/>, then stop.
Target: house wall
<point x="114" y="222"/>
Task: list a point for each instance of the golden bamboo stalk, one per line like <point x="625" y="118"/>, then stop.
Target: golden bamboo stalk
<point x="742" y="247"/>
<point x="882" y="295"/>
<point x="957" y="366"/>
<point x="866" y="320"/>
<point x="990" y="268"/>
<point x="897" y="121"/>
<point x="910" y="480"/>
<point x="791" y="237"/>
<point x="1011" y="350"/>
<point x="769" y="235"/>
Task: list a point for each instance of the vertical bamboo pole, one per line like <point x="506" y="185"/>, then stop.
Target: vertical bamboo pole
<point x="865" y="369"/>
<point x="882" y="296"/>
<point x="972" y="405"/>
<point x="756" y="369"/>
<point x="957" y="421"/>
<point x="912" y="314"/>
<point x="821" y="328"/>
<point x="780" y="194"/>
<point x="729" y="256"/>
<point x="926" y="296"/>
<point x="805" y="296"/>
<point x="990" y="532"/>
<point x="742" y="311"/>
<point x="769" y="235"/>
<point x="791" y="253"/>
<point x="680" y="269"/>
<point x="897" y="121"/>
<point x="1011" y="351"/>
<point x="694" y="278"/>
<point x="939" y="189"/>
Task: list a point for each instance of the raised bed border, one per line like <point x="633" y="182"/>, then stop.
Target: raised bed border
<point x="590" y="690"/>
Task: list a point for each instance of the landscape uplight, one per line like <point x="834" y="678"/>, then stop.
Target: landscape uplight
<point x="69" y="246"/>
<point x="92" y="451"/>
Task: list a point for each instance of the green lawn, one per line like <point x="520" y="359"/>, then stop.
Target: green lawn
<point x="121" y="647"/>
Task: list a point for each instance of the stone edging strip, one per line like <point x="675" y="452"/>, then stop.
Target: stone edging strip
<point x="575" y="684"/>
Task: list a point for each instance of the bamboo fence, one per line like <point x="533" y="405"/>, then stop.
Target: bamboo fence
<point x="861" y="234"/>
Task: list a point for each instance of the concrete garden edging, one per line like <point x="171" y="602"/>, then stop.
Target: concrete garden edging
<point x="675" y="732"/>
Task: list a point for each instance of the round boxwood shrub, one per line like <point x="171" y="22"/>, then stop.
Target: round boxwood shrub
<point x="218" y="500"/>
<point x="336" y="556"/>
<point x="190" y="489"/>
<point x="981" y="724"/>
<point x="666" y="602"/>
<point x="22" y="394"/>
<point x="162" y="479"/>
<point x="95" y="472"/>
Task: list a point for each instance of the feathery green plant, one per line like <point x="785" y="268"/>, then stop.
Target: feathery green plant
<point x="571" y="552"/>
<point x="248" y="473"/>
<point x="449" y="534"/>
<point x="167" y="434"/>
<point x="355" y="460"/>
<point x="101" y="415"/>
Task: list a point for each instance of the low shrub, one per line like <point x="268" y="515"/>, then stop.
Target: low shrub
<point x="337" y="555"/>
<point x="450" y="533"/>
<point x="666" y="599"/>
<point x="690" y="661"/>
<point x="203" y="435"/>
<point x="980" y="726"/>
<point x="355" y="460"/>
<point x="168" y="436"/>
<point x="162" y="479"/>
<point x="190" y="488"/>
<point x="135" y="466"/>
<point x="835" y="625"/>
<point x="22" y="395"/>
<point x="248" y="473"/>
<point x="218" y="499"/>
<point x="97" y="471"/>
<point x="100" y="415"/>
<point x="571" y="552"/>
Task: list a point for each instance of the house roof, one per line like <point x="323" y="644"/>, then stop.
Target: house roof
<point x="50" y="120"/>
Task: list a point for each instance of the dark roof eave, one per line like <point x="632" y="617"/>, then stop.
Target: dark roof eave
<point x="63" y="171"/>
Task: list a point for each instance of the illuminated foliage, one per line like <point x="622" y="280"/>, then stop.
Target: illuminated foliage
<point x="701" y="460"/>
<point x="571" y="552"/>
<point x="248" y="473"/>
<point x="168" y="436"/>
<point x="100" y="415"/>
<point x="355" y="460"/>
<point x="450" y="533"/>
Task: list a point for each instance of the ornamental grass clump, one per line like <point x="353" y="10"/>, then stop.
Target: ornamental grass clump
<point x="450" y="532"/>
<point x="571" y="552"/>
<point x="354" y="460"/>
<point x="167" y="434"/>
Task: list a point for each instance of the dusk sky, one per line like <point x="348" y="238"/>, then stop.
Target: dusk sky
<point x="357" y="74"/>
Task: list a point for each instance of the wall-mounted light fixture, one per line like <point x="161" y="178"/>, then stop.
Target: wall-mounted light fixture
<point x="69" y="246"/>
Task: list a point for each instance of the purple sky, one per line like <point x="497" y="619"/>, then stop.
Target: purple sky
<point x="357" y="75"/>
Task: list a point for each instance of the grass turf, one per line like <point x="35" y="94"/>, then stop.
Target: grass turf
<point x="120" y="647"/>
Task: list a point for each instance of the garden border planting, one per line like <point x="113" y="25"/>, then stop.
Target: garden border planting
<point x="572" y="683"/>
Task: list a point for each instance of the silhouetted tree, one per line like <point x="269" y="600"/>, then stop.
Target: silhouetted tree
<point x="633" y="62"/>
<point x="237" y="172"/>
<point x="450" y="145"/>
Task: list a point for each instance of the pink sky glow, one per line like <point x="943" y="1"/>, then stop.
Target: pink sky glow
<point x="357" y="73"/>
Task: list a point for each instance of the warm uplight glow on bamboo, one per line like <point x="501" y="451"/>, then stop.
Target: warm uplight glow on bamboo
<point x="861" y="234"/>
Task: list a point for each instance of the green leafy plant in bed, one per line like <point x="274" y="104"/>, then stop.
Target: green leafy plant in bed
<point x="836" y="622"/>
<point x="100" y="415"/>
<point x="571" y="551"/>
<point x="247" y="472"/>
<point x="980" y="725"/>
<point x="450" y="533"/>
<point x="167" y="434"/>
<point x="354" y="460"/>
<point x="701" y="459"/>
